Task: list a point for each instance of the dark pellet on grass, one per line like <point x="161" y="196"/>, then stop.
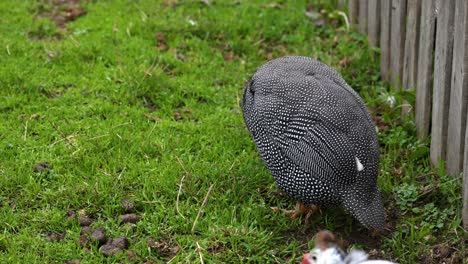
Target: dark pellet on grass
<point x="163" y="247"/>
<point x="129" y="218"/>
<point x="42" y="167"/>
<point x="71" y="214"/>
<point x="132" y="256"/>
<point x="85" y="221"/>
<point x="114" y="246"/>
<point x="128" y="205"/>
<point x="55" y="237"/>
<point x="85" y="230"/>
<point x="99" y="235"/>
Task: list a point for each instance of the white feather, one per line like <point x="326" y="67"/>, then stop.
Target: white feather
<point x="359" y="164"/>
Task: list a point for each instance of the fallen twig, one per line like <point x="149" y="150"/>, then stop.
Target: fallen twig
<point x="202" y="206"/>
<point x="178" y="195"/>
<point x="199" y="252"/>
<point x="180" y="185"/>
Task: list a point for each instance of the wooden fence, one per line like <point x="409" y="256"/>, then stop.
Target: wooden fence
<point x="424" y="46"/>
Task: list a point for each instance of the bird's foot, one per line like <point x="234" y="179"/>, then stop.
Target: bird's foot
<point x="299" y="210"/>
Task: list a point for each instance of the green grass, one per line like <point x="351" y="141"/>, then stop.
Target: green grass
<point x="113" y="110"/>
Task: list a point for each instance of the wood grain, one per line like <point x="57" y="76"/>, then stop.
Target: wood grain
<point x="410" y="60"/>
<point x="363" y="16"/>
<point x="459" y="90"/>
<point x="353" y="11"/>
<point x="425" y="69"/>
<point x="397" y="41"/>
<point x="442" y="79"/>
<point x="465" y="183"/>
<point x="373" y="22"/>
<point x="385" y="19"/>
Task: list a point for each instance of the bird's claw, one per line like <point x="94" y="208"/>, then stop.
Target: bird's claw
<point x="300" y="209"/>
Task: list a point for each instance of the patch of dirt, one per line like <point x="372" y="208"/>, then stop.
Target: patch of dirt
<point x="362" y="237"/>
<point x="71" y="215"/>
<point x="392" y="214"/>
<point x="55" y="90"/>
<point x="56" y="237"/>
<point x="302" y="235"/>
<point x="380" y="123"/>
<point x="171" y="3"/>
<point x="152" y="118"/>
<point x="228" y="53"/>
<point x="218" y="247"/>
<point x="61" y="11"/>
<point x="132" y="256"/>
<point x="182" y="114"/>
<point x="41" y="167"/>
<point x="164" y="248"/>
<point x="149" y="104"/>
<point x="128" y="205"/>
<point x="161" y="43"/>
<point x="181" y="57"/>
<point x="442" y="253"/>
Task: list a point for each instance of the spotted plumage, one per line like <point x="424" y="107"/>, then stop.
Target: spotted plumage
<point x="315" y="135"/>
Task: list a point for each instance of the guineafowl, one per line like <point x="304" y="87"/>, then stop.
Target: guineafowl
<point x="316" y="136"/>
<point x="326" y="251"/>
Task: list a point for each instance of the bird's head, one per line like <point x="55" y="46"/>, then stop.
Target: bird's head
<point x="329" y="256"/>
<point x="326" y="250"/>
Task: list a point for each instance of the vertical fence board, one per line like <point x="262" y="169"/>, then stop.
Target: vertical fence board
<point x="341" y="4"/>
<point x="397" y="40"/>
<point x="353" y="11"/>
<point x="373" y="21"/>
<point x="363" y="16"/>
<point x="442" y="79"/>
<point x="465" y="182"/>
<point x="410" y="60"/>
<point x="425" y="68"/>
<point x="459" y="90"/>
<point x="385" y="9"/>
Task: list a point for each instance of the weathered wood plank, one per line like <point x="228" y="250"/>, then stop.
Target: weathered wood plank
<point x="459" y="90"/>
<point x="425" y="68"/>
<point x="442" y="79"/>
<point x="363" y="16"/>
<point x="341" y="4"/>
<point x="384" y="42"/>
<point x="353" y="11"/>
<point x="373" y="21"/>
<point x="410" y="60"/>
<point x="397" y="40"/>
<point x="465" y="182"/>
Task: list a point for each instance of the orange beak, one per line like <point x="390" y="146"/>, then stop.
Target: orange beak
<point x="305" y="259"/>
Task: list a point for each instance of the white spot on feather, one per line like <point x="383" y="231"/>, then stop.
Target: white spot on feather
<point x="359" y="165"/>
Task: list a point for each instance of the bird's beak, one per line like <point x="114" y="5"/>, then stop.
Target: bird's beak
<point x="305" y="259"/>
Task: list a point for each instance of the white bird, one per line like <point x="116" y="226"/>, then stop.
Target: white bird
<point x="326" y="251"/>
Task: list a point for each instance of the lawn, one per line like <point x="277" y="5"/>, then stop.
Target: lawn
<point x="120" y="122"/>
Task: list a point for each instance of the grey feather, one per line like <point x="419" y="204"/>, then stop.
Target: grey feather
<point x="315" y="135"/>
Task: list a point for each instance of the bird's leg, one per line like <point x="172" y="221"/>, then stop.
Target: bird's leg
<point x="300" y="209"/>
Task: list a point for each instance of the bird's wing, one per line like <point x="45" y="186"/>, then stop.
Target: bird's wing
<point x="321" y="150"/>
